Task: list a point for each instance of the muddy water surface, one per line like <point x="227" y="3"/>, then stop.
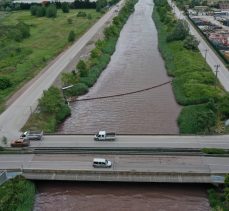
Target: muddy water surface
<point x="136" y="64"/>
<point x="120" y="197"/>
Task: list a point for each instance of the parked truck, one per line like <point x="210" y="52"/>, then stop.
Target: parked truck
<point x="32" y="135"/>
<point x="104" y="136"/>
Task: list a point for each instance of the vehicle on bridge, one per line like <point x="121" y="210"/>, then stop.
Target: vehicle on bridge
<point x="101" y="163"/>
<point x="32" y="135"/>
<point x="21" y="142"/>
<point x="104" y="136"/>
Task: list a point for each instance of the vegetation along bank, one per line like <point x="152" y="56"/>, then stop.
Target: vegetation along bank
<point x="205" y="103"/>
<point x="28" y="42"/>
<point x="53" y="109"/>
<point x="17" y="194"/>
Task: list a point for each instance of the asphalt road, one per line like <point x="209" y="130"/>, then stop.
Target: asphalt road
<point x="139" y="163"/>
<point x="16" y="115"/>
<point x="211" y="58"/>
<point x="195" y="142"/>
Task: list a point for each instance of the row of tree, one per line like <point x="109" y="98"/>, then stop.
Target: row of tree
<point x="8" y="5"/>
<point x="40" y="11"/>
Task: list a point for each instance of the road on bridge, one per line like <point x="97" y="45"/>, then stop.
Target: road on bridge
<point x="16" y="115"/>
<point x="147" y="141"/>
<point x="138" y="163"/>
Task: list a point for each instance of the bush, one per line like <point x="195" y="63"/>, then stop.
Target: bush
<point x="191" y="43"/>
<point x="81" y="14"/>
<point x="61" y="115"/>
<point x="89" y="17"/>
<point x="51" y="11"/>
<point x="40" y="12"/>
<point x="71" y="36"/>
<point x="17" y="194"/>
<point x="69" y="78"/>
<point x="65" y="7"/>
<point x="196" y="119"/>
<point x="82" y="67"/>
<point x="213" y="151"/>
<point x="69" y="21"/>
<point x="33" y="10"/>
<point x="5" y="83"/>
<point x="51" y="101"/>
<point x="76" y="90"/>
<point x="180" y="31"/>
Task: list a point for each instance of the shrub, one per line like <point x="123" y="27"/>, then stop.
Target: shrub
<point x="213" y="151"/>
<point x="65" y="7"/>
<point x="5" y="83"/>
<point x="71" y="36"/>
<point x="89" y="17"/>
<point x="33" y="10"/>
<point x="76" y="90"/>
<point x="17" y="194"/>
<point x="180" y="31"/>
<point x="191" y="43"/>
<point x="82" y="67"/>
<point x="69" y="21"/>
<point x="24" y="29"/>
<point x="51" y="101"/>
<point x="51" y="11"/>
<point x="81" y="14"/>
<point x="40" y="11"/>
<point x="69" y="78"/>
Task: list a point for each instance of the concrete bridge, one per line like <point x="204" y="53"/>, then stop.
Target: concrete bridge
<point x="125" y="168"/>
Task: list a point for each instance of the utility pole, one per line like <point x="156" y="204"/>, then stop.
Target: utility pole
<point x="205" y="54"/>
<point x="216" y="72"/>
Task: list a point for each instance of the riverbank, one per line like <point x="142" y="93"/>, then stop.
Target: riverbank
<point x="22" y="61"/>
<point x="194" y="85"/>
<point x="87" y="75"/>
<point x="17" y="194"/>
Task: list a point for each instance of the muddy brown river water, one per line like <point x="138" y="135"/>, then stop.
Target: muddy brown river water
<point x="69" y="196"/>
<point x="136" y="64"/>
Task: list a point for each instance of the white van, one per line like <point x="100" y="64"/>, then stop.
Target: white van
<point x="101" y="163"/>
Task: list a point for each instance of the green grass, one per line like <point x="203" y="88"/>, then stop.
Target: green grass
<point x="194" y="84"/>
<point x="17" y="194"/>
<point x="49" y="36"/>
<point x="214" y="151"/>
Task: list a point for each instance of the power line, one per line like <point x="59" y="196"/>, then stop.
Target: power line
<point x="123" y="94"/>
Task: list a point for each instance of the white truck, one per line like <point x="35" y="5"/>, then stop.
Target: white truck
<point x="32" y="135"/>
<point x="104" y="136"/>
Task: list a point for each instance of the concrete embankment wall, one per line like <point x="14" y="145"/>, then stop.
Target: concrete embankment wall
<point x="3" y="177"/>
<point x="122" y="176"/>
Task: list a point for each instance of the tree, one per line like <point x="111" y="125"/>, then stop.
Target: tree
<point x="71" y="36"/>
<point x="33" y="10"/>
<point x="205" y="120"/>
<point x="40" y="12"/>
<point x="5" y="83"/>
<point x="82" y="67"/>
<point x="191" y="43"/>
<point x="52" y="101"/>
<point x="51" y="11"/>
<point x="180" y="31"/>
<point x="65" y="7"/>
<point x="70" y="78"/>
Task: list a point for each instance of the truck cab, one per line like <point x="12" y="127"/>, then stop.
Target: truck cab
<point x="101" y="135"/>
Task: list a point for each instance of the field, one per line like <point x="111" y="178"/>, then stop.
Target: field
<point x="21" y="61"/>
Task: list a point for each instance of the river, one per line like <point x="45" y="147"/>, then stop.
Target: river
<point x="79" y="196"/>
<point x="136" y="64"/>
